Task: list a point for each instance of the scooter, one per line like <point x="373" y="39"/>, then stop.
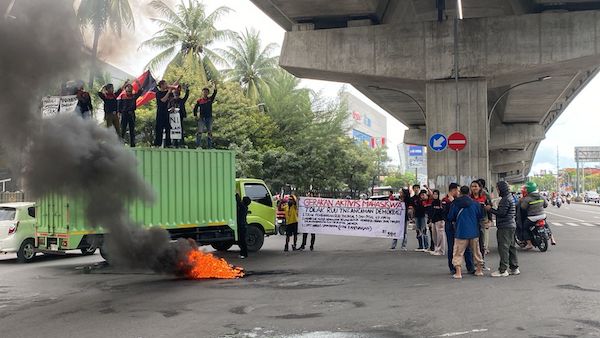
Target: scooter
<point x="539" y="236"/>
<point x="558" y="202"/>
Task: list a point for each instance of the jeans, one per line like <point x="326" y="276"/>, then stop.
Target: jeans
<point x="440" y="237"/>
<point x="507" y="249"/>
<point x="468" y="256"/>
<point x="422" y="237"/>
<point x="404" y="239"/>
<point x="128" y="120"/>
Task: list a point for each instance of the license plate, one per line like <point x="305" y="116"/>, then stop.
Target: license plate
<point x="54" y="247"/>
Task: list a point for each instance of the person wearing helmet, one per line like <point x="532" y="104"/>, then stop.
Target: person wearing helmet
<point x="532" y="210"/>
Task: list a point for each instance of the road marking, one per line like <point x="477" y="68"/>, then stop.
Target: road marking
<point x="573" y="218"/>
<point x="452" y="334"/>
<point x="573" y="224"/>
<point x="589" y="212"/>
<point x="557" y="224"/>
<point x="588" y="224"/>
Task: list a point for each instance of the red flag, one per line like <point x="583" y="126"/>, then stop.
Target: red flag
<point x="147" y="85"/>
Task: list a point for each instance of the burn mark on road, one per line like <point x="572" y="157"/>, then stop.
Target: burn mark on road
<point x="592" y="323"/>
<point x="239" y="310"/>
<point x="169" y="313"/>
<point x="299" y="315"/>
<point x="108" y="310"/>
<point x="575" y="288"/>
<point x="269" y="273"/>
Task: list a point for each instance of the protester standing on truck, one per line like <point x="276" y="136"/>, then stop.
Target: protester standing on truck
<point x="111" y="114"/>
<point x="203" y="114"/>
<point x="163" y="93"/>
<point x="177" y="103"/>
<point x="242" y="223"/>
<point x="291" y="221"/>
<point x="126" y="105"/>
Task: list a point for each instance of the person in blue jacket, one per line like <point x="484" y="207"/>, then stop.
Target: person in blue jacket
<point x="465" y="213"/>
<point x="447" y="202"/>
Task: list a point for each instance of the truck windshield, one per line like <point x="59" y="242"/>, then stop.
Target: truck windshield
<point x="258" y="193"/>
<point x="7" y="214"/>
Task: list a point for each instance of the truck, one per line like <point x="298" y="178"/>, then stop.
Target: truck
<point x="194" y="198"/>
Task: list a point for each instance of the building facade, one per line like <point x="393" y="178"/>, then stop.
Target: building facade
<point x="364" y="123"/>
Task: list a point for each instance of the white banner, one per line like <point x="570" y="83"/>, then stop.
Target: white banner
<point x="50" y="106"/>
<point x="68" y="104"/>
<point x="365" y="218"/>
<point x="175" y="122"/>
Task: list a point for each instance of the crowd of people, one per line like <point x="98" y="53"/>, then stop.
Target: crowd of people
<point x="120" y="106"/>
<point x="457" y="225"/>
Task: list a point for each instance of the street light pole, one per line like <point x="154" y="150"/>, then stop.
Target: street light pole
<point x="543" y="78"/>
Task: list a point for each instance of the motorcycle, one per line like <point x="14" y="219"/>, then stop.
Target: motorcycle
<point x="539" y="236"/>
<point x="558" y="202"/>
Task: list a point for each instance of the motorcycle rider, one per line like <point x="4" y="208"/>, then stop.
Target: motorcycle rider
<point x="532" y="210"/>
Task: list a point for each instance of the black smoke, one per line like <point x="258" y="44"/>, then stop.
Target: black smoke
<point x="41" y="46"/>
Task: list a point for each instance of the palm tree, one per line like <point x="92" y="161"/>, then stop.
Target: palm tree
<point x="99" y="14"/>
<point x="251" y="64"/>
<point x="185" y="36"/>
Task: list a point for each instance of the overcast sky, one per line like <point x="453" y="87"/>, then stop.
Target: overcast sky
<point x="579" y="125"/>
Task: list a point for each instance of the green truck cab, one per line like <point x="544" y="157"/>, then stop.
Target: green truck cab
<point x="194" y="198"/>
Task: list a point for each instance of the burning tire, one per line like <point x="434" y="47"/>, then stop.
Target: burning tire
<point x="222" y="246"/>
<point x="256" y="238"/>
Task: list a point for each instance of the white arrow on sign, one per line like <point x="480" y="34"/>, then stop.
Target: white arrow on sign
<point x="437" y="143"/>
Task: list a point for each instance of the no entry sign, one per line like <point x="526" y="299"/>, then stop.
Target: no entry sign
<point x="457" y="141"/>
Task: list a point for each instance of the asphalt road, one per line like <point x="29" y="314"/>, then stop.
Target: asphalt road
<point x="348" y="287"/>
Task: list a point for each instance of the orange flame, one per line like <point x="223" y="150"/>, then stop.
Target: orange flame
<point x="202" y="265"/>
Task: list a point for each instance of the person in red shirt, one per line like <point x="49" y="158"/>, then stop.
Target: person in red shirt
<point x="480" y="196"/>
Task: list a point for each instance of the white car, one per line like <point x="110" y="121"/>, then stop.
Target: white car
<point x="17" y="230"/>
<point x="591" y="196"/>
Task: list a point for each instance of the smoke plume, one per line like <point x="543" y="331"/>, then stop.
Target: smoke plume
<point x="41" y="47"/>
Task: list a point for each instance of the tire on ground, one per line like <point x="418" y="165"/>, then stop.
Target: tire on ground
<point x="256" y="237"/>
<point x="26" y="252"/>
<point x="222" y="246"/>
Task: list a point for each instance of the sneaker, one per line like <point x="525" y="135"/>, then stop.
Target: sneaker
<point x="419" y="250"/>
<point x="301" y="248"/>
<point x="242" y="257"/>
<point x="392" y="249"/>
<point x="312" y="248"/>
<point x="456" y="276"/>
<point x="500" y="274"/>
<point x="404" y="248"/>
<point x="478" y="274"/>
<point x="514" y="272"/>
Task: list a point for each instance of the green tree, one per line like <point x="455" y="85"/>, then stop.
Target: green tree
<point x="546" y="182"/>
<point x="251" y="64"/>
<point x="397" y="180"/>
<point x="186" y="34"/>
<point x="99" y="15"/>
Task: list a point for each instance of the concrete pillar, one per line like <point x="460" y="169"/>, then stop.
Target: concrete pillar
<point x="441" y="107"/>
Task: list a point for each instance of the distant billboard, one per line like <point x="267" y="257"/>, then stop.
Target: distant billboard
<point x="587" y="154"/>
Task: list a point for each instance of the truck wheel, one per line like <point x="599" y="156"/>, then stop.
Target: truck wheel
<point x="90" y="250"/>
<point x="222" y="246"/>
<point x="26" y="252"/>
<point x="256" y="238"/>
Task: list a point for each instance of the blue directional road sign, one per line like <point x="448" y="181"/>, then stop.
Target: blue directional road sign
<point x="415" y="151"/>
<point x="438" y="142"/>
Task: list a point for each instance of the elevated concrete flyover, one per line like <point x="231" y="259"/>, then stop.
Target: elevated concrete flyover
<point x="526" y="59"/>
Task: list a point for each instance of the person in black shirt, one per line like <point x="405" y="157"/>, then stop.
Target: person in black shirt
<point x="108" y="95"/>
<point x="164" y="92"/>
<point x="84" y="102"/>
<point x="126" y="105"/>
<point x="242" y="223"/>
<point x="203" y="108"/>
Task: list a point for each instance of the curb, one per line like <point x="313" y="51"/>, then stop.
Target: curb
<point x="583" y="203"/>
